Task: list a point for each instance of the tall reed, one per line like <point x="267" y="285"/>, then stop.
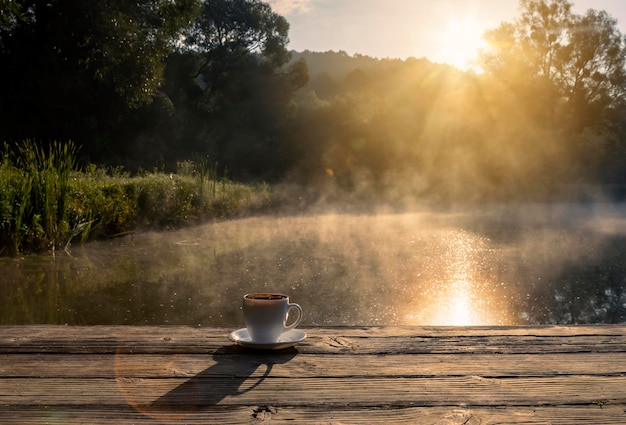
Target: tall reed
<point x="35" y="194"/>
<point x="207" y="175"/>
<point x="15" y="188"/>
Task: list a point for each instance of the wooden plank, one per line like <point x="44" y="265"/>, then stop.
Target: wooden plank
<point x="57" y="332"/>
<point x="326" y="391"/>
<point x="59" y="339"/>
<point x="310" y="365"/>
<point x="236" y="415"/>
<point x="466" y="344"/>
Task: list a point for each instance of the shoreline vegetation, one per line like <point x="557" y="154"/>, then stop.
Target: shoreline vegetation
<point x="48" y="202"/>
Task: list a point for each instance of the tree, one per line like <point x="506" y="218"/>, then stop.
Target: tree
<point x="593" y="74"/>
<point x="232" y="80"/>
<point x="72" y="69"/>
<point x="570" y="67"/>
<point x="228" y="31"/>
<point x="10" y="14"/>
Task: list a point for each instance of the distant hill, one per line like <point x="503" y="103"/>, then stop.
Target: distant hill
<point x="337" y="65"/>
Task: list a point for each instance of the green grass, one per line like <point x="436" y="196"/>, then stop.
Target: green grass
<point x="47" y="202"/>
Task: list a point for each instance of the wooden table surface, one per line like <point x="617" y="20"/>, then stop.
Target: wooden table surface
<point x="337" y="375"/>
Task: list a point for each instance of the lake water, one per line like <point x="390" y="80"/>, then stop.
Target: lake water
<point x="466" y="265"/>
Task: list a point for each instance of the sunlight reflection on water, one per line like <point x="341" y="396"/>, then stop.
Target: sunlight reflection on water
<point x="462" y="296"/>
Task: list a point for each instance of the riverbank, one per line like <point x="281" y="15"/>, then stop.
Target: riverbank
<point x="48" y="202"/>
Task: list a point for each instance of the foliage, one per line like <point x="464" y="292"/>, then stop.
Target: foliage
<point x="11" y="13"/>
<point x="232" y="86"/>
<point x="396" y="130"/>
<point x="35" y="195"/>
<point x="110" y="62"/>
<point x="46" y="202"/>
<point x="572" y="66"/>
<point x="227" y="30"/>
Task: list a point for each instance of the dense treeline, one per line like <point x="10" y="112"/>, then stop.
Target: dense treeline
<point x="148" y="83"/>
<point x="153" y="82"/>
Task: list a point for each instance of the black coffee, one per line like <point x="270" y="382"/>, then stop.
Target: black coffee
<point x="266" y="297"/>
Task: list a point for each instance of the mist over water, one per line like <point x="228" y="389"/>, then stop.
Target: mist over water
<point x="468" y="265"/>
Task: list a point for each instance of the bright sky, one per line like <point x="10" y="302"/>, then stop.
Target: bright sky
<point x="441" y="30"/>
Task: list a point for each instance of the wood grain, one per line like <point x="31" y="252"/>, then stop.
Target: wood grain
<point x="448" y="375"/>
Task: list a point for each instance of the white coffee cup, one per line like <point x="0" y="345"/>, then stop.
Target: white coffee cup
<point x="265" y="316"/>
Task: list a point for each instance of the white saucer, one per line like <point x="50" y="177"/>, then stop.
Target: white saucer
<point x="286" y="340"/>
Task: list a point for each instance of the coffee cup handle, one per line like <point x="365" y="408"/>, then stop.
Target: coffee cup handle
<point x="298" y="319"/>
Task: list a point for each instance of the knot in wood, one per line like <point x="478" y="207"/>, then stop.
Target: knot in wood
<point x="264" y="413"/>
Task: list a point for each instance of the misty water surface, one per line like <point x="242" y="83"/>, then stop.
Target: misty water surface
<point x="485" y="265"/>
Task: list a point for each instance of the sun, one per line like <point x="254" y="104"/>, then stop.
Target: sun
<point x="459" y="42"/>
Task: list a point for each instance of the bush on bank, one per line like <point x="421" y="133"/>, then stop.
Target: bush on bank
<point x="47" y="202"/>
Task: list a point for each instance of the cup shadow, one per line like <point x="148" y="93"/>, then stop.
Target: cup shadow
<point x="233" y="366"/>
